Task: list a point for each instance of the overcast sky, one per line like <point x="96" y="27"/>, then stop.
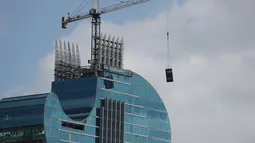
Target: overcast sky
<point x="212" y="99"/>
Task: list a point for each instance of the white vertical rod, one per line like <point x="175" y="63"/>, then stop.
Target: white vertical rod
<point x="167" y="34"/>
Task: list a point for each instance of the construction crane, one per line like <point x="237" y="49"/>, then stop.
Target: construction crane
<point x="95" y="13"/>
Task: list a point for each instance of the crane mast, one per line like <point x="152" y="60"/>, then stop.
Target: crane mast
<point x="95" y="37"/>
<point x="95" y="13"/>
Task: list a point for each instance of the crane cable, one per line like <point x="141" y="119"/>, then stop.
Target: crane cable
<point x="79" y="8"/>
<point x="167" y="34"/>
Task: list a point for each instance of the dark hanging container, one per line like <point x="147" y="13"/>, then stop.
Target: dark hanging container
<point x="169" y="75"/>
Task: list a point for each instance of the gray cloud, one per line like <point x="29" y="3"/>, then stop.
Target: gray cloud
<point x="212" y="52"/>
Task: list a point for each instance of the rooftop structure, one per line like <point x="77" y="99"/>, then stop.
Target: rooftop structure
<point x="67" y="61"/>
<point x="109" y="51"/>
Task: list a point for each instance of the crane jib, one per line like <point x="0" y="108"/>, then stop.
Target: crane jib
<point x="108" y="9"/>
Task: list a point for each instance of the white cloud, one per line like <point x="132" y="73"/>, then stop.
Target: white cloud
<point x="212" y="48"/>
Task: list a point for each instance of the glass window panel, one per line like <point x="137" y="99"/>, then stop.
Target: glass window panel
<point x="150" y="140"/>
<point x="128" y="138"/>
<point x="157" y="115"/>
<point x="64" y="135"/>
<point x="135" y="110"/>
<point x="135" y="129"/>
<point x="74" y="84"/>
<point x="155" y="105"/>
<point x="91" y="121"/>
<point x="134" y="138"/>
<point x="90" y="130"/>
<point x="30" y="115"/>
<point x="78" y="93"/>
<point x="159" y="134"/>
<point x="156" y="124"/>
<point x="135" y="120"/>
<point x="19" y="103"/>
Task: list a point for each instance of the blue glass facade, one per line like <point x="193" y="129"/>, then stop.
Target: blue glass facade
<point x="21" y="118"/>
<point x="115" y="106"/>
<point x="77" y="97"/>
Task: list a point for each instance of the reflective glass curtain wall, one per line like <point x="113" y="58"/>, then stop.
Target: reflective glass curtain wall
<point x="111" y="121"/>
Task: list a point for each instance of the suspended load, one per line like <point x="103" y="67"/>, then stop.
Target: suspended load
<point x="169" y="75"/>
<point x="169" y="70"/>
